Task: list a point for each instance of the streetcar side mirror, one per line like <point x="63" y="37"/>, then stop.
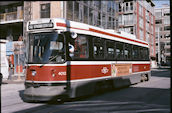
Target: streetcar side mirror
<point x="71" y="50"/>
<point x="74" y="35"/>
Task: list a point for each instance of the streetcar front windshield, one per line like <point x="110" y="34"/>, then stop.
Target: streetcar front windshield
<point x="46" y="48"/>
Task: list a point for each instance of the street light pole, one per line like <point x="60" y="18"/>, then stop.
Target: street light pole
<point x="1" y="77"/>
<point x="159" y="52"/>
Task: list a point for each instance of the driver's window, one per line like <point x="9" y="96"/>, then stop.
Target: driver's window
<point x="58" y="51"/>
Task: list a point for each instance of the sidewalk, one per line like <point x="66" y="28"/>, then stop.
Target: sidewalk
<point x="14" y="80"/>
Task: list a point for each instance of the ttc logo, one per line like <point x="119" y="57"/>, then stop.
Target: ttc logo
<point x="104" y="70"/>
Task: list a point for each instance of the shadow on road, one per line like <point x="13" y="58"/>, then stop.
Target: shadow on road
<point x="128" y="100"/>
<point x="161" y="72"/>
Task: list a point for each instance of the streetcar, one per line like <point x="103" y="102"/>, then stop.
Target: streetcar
<point x="68" y="59"/>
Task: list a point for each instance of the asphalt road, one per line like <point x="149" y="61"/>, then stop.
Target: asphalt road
<point x="147" y="97"/>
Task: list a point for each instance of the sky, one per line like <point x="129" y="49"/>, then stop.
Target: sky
<point x="158" y="3"/>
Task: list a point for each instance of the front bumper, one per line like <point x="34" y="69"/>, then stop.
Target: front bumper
<point x="44" y="93"/>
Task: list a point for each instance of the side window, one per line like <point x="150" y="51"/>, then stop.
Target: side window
<point x="98" y="48"/>
<point x="142" y="54"/>
<point x="81" y="47"/>
<point x="110" y="50"/>
<point x="127" y="52"/>
<point x="146" y="53"/>
<point x="135" y="53"/>
<point x="119" y="51"/>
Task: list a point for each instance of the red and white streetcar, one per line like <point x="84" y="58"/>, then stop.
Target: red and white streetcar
<point x="68" y="59"/>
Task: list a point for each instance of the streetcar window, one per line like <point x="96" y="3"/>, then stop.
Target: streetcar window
<point x="135" y="53"/>
<point x="98" y="48"/>
<point x="81" y="47"/>
<point x="119" y="51"/>
<point x="46" y="48"/>
<point x="110" y="50"/>
<point x="127" y="52"/>
<point x="146" y="53"/>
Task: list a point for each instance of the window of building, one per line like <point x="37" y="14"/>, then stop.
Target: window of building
<point x="141" y="22"/>
<point x="120" y="20"/>
<point x="147" y="26"/>
<point x="166" y="20"/>
<point x="166" y="14"/>
<point x="131" y="30"/>
<point x="158" y="14"/>
<point x="120" y="7"/>
<point x="158" y="21"/>
<point x="99" y="19"/>
<point x="85" y="14"/>
<point x="45" y="10"/>
<point x="70" y="10"/>
<point x="147" y="37"/>
<point x="126" y="6"/>
<point x="160" y="36"/>
<point x="156" y="44"/>
<point x="81" y="11"/>
<point x="167" y="36"/>
<point x="166" y="28"/>
<point x="76" y="11"/>
<point x="86" y="2"/>
<point x="131" y="6"/>
<point x="109" y="6"/>
<point x="168" y="43"/>
<point x="161" y="29"/>
<point x="91" y="11"/>
<point x="168" y="51"/>
<point x="141" y="34"/>
<point x="147" y="16"/>
<point x="140" y="10"/>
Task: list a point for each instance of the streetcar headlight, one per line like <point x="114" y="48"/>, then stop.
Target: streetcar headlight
<point x="33" y="73"/>
<point x="53" y="74"/>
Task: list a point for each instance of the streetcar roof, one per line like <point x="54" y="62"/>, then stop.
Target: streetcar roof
<point x="82" y="28"/>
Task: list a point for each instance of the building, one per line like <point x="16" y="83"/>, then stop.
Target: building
<point x="15" y="14"/>
<point x="162" y="22"/>
<point x="11" y="20"/>
<point x="11" y="29"/>
<point x="137" y="17"/>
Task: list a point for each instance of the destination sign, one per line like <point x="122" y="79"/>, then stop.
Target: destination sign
<point x="41" y="26"/>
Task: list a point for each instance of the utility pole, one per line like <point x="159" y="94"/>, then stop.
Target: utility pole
<point x="1" y="77"/>
<point x="159" y="50"/>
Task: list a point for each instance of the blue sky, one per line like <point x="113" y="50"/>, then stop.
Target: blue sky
<point x="158" y="3"/>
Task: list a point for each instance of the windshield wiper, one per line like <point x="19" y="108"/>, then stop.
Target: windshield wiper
<point x="49" y="60"/>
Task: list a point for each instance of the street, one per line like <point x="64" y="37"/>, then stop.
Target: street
<point x="152" y="96"/>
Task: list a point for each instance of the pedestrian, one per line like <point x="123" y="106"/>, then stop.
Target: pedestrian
<point x="10" y="70"/>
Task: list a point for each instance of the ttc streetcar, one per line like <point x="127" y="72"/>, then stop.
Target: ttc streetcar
<point x="67" y="59"/>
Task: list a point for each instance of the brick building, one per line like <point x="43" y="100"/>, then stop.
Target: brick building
<point x="137" y="17"/>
